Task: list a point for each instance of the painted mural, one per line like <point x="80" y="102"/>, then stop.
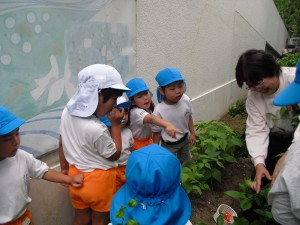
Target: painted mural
<point x="43" y="46"/>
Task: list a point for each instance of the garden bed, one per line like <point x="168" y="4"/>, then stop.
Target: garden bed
<point x="205" y="206"/>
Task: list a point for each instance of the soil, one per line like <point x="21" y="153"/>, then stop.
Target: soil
<point x="204" y="206"/>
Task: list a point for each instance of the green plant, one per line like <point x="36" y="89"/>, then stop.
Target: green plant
<point x="257" y="202"/>
<point x="120" y="214"/>
<point x="289" y="60"/>
<point x="290" y="112"/>
<point x="238" y="108"/>
<point x="214" y="147"/>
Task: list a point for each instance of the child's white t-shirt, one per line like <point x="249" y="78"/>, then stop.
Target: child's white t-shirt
<point x="177" y="114"/>
<point x="15" y="173"/>
<point x="87" y="142"/>
<point x="138" y="128"/>
<point x="127" y="143"/>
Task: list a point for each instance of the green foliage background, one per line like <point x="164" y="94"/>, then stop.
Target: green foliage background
<point x="289" y="11"/>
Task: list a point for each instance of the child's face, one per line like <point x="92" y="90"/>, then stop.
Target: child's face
<point x="142" y="100"/>
<point x="125" y="119"/>
<point x="9" y="144"/>
<point x="173" y="92"/>
<point x="105" y="107"/>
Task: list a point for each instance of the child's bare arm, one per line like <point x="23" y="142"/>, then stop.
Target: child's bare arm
<point x="57" y="177"/>
<point x="115" y="119"/>
<point x="192" y="131"/>
<point x="170" y="129"/>
<point x="156" y="137"/>
<point x="64" y="165"/>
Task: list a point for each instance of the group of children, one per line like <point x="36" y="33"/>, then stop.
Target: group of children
<point x="99" y="130"/>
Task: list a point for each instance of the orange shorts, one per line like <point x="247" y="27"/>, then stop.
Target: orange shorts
<point x="139" y="143"/>
<point x="25" y="219"/>
<point x="121" y="178"/>
<point x="99" y="187"/>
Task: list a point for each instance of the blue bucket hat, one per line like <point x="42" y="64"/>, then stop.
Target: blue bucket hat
<point x="291" y="94"/>
<point x="121" y="103"/>
<point x="8" y="121"/>
<point x="153" y="180"/>
<point x="136" y="85"/>
<point x="166" y="77"/>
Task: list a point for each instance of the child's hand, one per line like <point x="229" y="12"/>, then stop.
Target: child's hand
<point x="172" y="131"/>
<point x="77" y="181"/>
<point x="192" y="139"/>
<point x="115" y="116"/>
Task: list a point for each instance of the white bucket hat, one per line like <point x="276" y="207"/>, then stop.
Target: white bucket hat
<point x="91" y="79"/>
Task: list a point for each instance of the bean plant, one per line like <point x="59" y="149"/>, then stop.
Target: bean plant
<point x="249" y="199"/>
<point x="215" y="143"/>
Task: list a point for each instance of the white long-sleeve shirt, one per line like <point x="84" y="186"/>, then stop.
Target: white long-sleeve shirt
<point x="259" y="124"/>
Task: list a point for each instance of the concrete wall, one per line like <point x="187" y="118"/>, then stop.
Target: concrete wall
<point x="203" y="39"/>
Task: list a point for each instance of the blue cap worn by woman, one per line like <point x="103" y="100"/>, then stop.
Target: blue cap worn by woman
<point x="153" y="180"/>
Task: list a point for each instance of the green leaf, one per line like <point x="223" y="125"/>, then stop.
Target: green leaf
<point x="245" y="204"/>
<point x="216" y="174"/>
<point x="120" y="214"/>
<point x="132" y="203"/>
<point x="220" y="219"/>
<point x="230" y="158"/>
<point x="132" y="222"/>
<point x="235" y="194"/>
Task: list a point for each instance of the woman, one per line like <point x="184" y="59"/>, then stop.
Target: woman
<point x="267" y="134"/>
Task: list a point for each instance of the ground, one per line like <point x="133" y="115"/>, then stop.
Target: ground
<point x="204" y="206"/>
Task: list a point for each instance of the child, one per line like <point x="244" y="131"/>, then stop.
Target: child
<point x="88" y="146"/>
<point x="140" y="115"/>
<point x="153" y="180"/>
<point x="16" y="169"/>
<point x="127" y="141"/>
<point x="175" y="107"/>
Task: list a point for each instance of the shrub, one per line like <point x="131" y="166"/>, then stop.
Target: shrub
<point x="289" y="60"/>
<point x="238" y="108"/>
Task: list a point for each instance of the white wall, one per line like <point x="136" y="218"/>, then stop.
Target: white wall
<point x="204" y="39"/>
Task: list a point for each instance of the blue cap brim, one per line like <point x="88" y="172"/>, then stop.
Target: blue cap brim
<point x="16" y="123"/>
<point x="289" y="96"/>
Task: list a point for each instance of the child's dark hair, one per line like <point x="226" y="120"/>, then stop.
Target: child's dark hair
<point x="110" y="93"/>
<point x="134" y="106"/>
<point x="164" y="87"/>
<point x="255" y="65"/>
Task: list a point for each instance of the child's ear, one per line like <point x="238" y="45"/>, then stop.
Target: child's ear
<point x="161" y="91"/>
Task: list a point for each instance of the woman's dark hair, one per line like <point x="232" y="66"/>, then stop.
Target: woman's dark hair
<point x="110" y="93"/>
<point x="134" y="106"/>
<point x="255" y="65"/>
